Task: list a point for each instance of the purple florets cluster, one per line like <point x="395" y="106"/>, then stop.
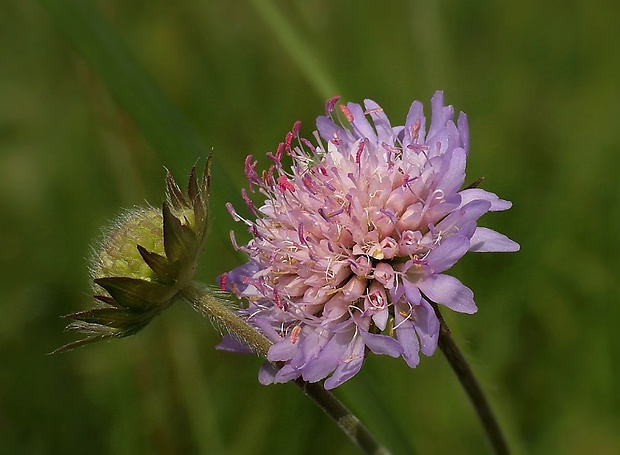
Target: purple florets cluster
<point x="351" y="243"/>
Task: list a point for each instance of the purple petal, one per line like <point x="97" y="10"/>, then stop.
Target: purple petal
<point x="441" y="115"/>
<point x="486" y="240"/>
<point x="266" y="328"/>
<point x="445" y="140"/>
<point x="453" y="171"/>
<point x="328" y="130"/>
<point x="381" y="121"/>
<point x="238" y="277"/>
<point x="282" y="351"/>
<point x="380" y="318"/>
<point x="475" y="194"/>
<point x="309" y="346"/>
<point x="407" y="337"/>
<point x="411" y="292"/>
<point x="468" y="212"/>
<point x="397" y="292"/>
<point x="381" y="344"/>
<point x="416" y="114"/>
<point x="467" y="230"/>
<point x="349" y="366"/>
<point x="286" y="373"/>
<point x="267" y="373"/>
<point x="447" y="253"/>
<point x="361" y="125"/>
<point x="463" y="128"/>
<point x="231" y="344"/>
<point x="427" y="327"/>
<point x="450" y="292"/>
<point x="328" y="358"/>
<point x="439" y="211"/>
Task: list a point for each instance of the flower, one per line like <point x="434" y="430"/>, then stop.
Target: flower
<point x="144" y="262"/>
<point x="349" y="248"/>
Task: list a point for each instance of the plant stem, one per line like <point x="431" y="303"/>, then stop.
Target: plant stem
<point x="346" y="420"/>
<point x="470" y="384"/>
<point x="206" y="302"/>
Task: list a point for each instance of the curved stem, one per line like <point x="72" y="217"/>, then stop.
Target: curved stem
<point x="206" y="302"/>
<point x="346" y="420"/>
<point x="471" y="385"/>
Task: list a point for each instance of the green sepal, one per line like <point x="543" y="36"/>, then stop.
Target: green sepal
<point x="200" y="213"/>
<point x="180" y="241"/>
<point x="474" y="184"/>
<point x="205" y="184"/>
<point x="192" y="185"/>
<point x="201" y="201"/>
<point x="108" y="301"/>
<point x="176" y="196"/>
<point x="109" y="317"/>
<point x="82" y="342"/>
<point x="166" y="271"/>
<point x="134" y="293"/>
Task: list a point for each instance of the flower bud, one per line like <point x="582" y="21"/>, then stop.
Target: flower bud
<point x="118" y="254"/>
<point x="146" y="259"/>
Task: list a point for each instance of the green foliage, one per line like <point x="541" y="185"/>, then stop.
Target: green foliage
<point x="97" y="97"/>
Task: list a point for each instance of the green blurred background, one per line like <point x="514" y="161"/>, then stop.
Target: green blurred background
<point x="97" y="97"/>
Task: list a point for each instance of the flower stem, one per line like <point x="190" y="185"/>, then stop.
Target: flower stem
<point x="206" y="302"/>
<point x="471" y="385"/>
<point x="346" y="420"/>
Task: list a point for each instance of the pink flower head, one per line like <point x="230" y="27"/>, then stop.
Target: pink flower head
<point x="351" y="243"/>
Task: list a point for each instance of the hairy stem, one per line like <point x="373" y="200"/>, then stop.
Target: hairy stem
<point x="472" y="387"/>
<point x="206" y="302"/>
